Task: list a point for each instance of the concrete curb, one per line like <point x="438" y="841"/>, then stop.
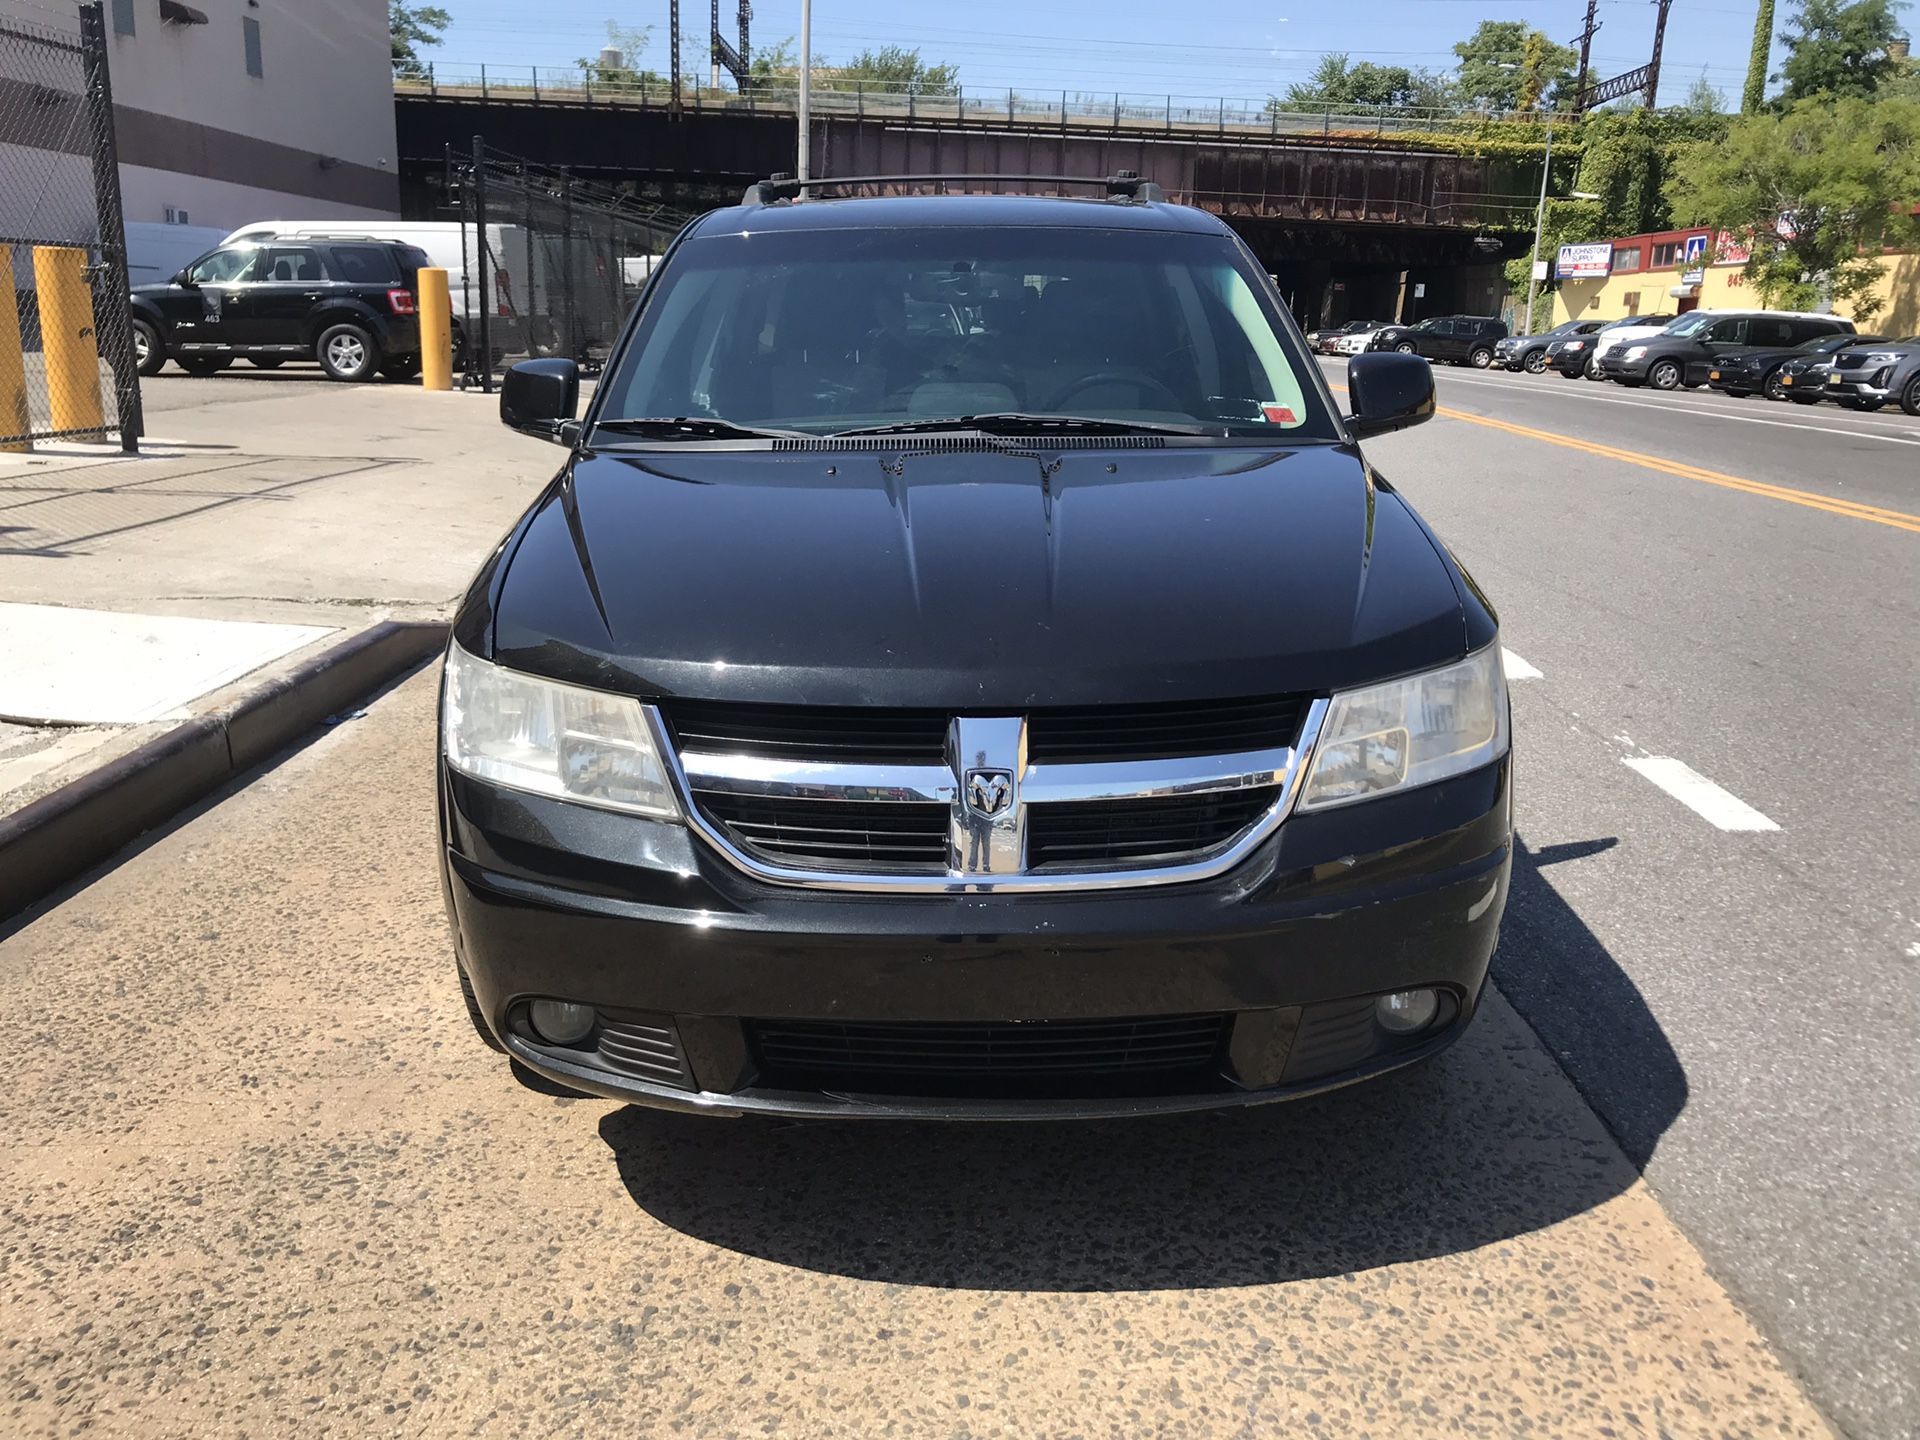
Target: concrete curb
<point x="59" y="836"/>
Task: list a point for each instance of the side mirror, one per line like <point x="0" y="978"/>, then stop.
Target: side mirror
<point x="538" y="397"/>
<point x="1389" y="391"/>
<point x="184" y="280"/>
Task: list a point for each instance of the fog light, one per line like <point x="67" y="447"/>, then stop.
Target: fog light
<point x="1402" y="1012"/>
<point x="561" y="1022"/>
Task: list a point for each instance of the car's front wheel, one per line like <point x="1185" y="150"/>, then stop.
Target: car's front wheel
<point x="1535" y="363"/>
<point x="1773" y="389"/>
<point x="148" y="353"/>
<point x="1405" y="347"/>
<point x="1910" y="397"/>
<point x="347" y="352"/>
<point x="1480" y="357"/>
<point x="1593" y="370"/>
<point x="1664" y="375"/>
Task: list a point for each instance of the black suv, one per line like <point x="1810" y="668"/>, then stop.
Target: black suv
<point x="1529" y="352"/>
<point x="1050" y="714"/>
<point x="347" y="302"/>
<point x="1462" y="339"/>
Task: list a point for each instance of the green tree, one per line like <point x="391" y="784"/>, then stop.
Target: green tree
<point x="1838" y="47"/>
<point x="1506" y="66"/>
<point x="1754" y="95"/>
<point x="1337" y="81"/>
<point x="897" y="70"/>
<point x="1814" y="192"/>
<point x="414" y="28"/>
<point x="1703" y="98"/>
<point x="630" y="41"/>
<point x="773" y="65"/>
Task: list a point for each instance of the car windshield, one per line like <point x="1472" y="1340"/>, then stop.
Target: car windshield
<point x="1827" y="342"/>
<point x="1692" y="324"/>
<point x="828" y="330"/>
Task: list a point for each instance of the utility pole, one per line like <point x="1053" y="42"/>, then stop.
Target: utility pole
<point x="1659" y="39"/>
<point x="1587" y="32"/>
<point x="673" y="44"/>
<point x="1539" y="225"/>
<point x="806" y="88"/>
<point x="1755" y="94"/>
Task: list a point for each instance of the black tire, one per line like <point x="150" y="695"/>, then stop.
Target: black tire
<point x="1405" y="347"/>
<point x="1771" y="387"/>
<point x="347" y="352"/>
<point x="1592" y="372"/>
<point x="203" y="365"/>
<point x="149" y="355"/>
<point x="401" y="367"/>
<point x="1480" y="357"/>
<point x="473" y="1011"/>
<point x="1910" y="397"/>
<point x="1571" y="375"/>
<point x="1664" y="375"/>
<point x="266" y="362"/>
<point x="1535" y="362"/>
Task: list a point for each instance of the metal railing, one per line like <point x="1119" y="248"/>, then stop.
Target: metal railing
<point x="974" y="106"/>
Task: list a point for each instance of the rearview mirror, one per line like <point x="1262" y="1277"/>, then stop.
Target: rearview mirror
<point x="538" y="397"/>
<point x="1389" y="391"/>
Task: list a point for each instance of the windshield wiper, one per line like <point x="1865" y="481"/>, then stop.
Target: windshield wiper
<point x="1016" y="422"/>
<point x="693" y="427"/>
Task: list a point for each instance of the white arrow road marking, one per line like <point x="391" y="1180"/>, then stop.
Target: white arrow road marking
<point x="1518" y="669"/>
<point x="1699" y="794"/>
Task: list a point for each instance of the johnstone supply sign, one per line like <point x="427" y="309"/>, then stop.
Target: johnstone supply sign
<point x="1583" y="262"/>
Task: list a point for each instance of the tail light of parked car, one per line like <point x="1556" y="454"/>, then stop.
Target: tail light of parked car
<point x="401" y="302"/>
<point x="503" y="288"/>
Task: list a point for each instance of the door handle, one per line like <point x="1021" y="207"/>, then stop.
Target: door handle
<point x="312" y="295"/>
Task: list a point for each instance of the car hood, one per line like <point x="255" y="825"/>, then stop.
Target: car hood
<point x="988" y="580"/>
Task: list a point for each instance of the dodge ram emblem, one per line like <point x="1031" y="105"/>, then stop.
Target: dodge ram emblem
<point x="988" y="791"/>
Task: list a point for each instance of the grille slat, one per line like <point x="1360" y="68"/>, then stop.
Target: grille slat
<point x="648" y="1051"/>
<point x="969" y="1058"/>
<point x="1104" y="831"/>
<point x="881" y="837"/>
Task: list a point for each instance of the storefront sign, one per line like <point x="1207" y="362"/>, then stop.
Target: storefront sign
<point x="1584" y="262"/>
<point x="1695" y="257"/>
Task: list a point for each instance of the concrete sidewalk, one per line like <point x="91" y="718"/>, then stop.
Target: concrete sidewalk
<point x="306" y="509"/>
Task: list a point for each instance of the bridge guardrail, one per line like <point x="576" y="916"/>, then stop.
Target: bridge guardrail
<point x="1117" y="112"/>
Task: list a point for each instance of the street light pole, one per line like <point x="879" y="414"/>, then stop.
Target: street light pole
<point x="806" y="88"/>
<point x="1539" y="225"/>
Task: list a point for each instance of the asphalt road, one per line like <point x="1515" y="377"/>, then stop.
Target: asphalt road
<point x="263" y="1176"/>
<point x="1740" y="1006"/>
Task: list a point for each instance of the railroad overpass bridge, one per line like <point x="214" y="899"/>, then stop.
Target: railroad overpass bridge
<point x="1351" y="214"/>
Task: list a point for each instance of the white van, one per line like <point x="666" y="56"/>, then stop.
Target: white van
<point x="496" y="280"/>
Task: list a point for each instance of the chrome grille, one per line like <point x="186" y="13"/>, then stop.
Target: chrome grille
<point x="848" y="798"/>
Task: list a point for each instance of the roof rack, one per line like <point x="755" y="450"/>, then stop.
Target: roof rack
<point x="1124" y="185"/>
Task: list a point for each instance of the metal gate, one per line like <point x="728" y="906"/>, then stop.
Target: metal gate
<point x="67" y="364"/>
<point x="550" y="264"/>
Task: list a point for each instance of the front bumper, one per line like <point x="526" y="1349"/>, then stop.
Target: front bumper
<point x="1616" y="367"/>
<point x="641" y="921"/>
<point x="1840" y="386"/>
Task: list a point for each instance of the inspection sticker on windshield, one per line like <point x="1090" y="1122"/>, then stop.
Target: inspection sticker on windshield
<point x="1278" y="414"/>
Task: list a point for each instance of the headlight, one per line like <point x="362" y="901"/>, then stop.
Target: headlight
<point x="1575" y="345"/>
<point x="1408" y="732"/>
<point x="562" y="741"/>
<point x="1881" y="357"/>
<point x="1636" y="352"/>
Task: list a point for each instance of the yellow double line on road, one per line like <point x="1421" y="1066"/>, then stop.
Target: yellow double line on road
<point x="1852" y="509"/>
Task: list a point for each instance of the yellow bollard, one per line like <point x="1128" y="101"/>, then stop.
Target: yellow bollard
<point x="16" y="420"/>
<point x="436" y="330"/>
<point x="67" y="339"/>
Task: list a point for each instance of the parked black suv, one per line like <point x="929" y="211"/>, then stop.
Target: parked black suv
<point x="347" y="302"/>
<point x="1462" y="339"/>
<point x="1054" y="715"/>
<point x="1763" y="371"/>
<point x="1691" y="346"/>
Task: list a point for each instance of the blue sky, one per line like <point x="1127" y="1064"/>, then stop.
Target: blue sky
<point x="1235" y="48"/>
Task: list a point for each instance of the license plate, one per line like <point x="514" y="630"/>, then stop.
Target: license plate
<point x="1713" y="375"/>
<point x="1835" y="380"/>
<point x="1786" y="379"/>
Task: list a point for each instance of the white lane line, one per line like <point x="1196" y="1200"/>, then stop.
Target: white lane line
<point x="1699" y="794"/>
<point x="1518" y="669"/>
<point x="1865" y="432"/>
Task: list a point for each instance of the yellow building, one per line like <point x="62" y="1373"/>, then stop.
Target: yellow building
<point x="1651" y="275"/>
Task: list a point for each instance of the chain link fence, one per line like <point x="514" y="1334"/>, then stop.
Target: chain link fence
<point x="550" y="264"/>
<point x="67" y="362"/>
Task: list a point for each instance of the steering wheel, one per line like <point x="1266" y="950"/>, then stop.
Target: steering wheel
<point x="1137" y="378"/>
